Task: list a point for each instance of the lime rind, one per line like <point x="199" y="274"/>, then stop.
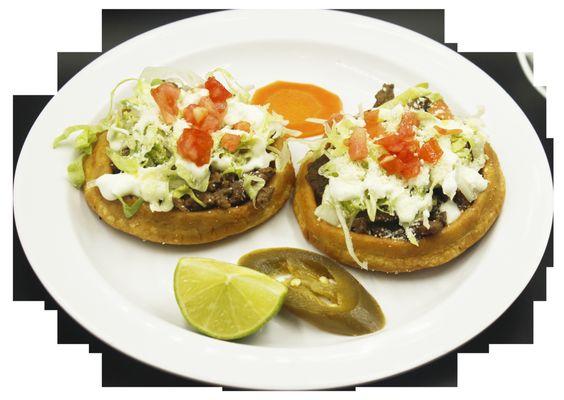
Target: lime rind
<point x="225" y="301"/>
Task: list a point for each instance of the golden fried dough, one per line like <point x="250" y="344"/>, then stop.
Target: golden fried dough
<point x="389" y="255"/>
<point x="176" y="226"/>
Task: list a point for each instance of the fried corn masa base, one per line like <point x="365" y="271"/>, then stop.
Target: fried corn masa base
<point x="176" y="226"/>
<point x="394" y="256"/>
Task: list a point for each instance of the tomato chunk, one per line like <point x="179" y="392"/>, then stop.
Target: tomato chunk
<point x="358" y="148"/>
<point x="441" y="110"/>
<point x="411" y="170"/>
<point x="218" y="92"/>
<point x="409" y="121"/>
<point x="392" y="143"/>
<point x="393" y="165"/>
<point x="195" y="145"/>
<point x="210" y="124"/>
<point x="166" y="95"/>
<point x="373" y="125"/>
<point x="230" y="142"/>
<point x="431" y="151"/>
<point x="203" y="116"/>
<point x="242" y="126"/>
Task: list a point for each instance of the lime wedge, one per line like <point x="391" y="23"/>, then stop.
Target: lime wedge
<point x="223" y="300"/>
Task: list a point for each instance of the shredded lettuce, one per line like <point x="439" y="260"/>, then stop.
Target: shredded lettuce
<point x="75" y="172"/>
<point x="282" y="156"/>
<point x="410" y="236"/>
<point x="348" y="238"/>
<point x="412" y="93"/>
<point x="185" y="189"/>
<point x="126" y="164"/>
<point x="156" y="75"/>
<point x="158" y="154"/>
<point x="83" y="144"/>
<point x="252" y="185"/>
<point x="129" y="210"/>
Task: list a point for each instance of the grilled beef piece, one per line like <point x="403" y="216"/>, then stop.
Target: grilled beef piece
<point x="315" y="180"/>
<point x="361" y="224"/>
<point x="437" y="221"/>
<point x="264" y="196"/>
<point x="225" y="191"/>
<point x="265" y="173"/>
<point x="461" y="201"/>
<point x="385" y="94"/>
<point x="420" y="103"/>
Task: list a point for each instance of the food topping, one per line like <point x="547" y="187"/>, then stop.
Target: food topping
<point x="384" y="95"/>
<point x="373" y="125"/>
<point x="218" y="93"/>
<point x="167" y="140"/>
<point x="406" y="179"/>
<point x="358" y="149"/>
<point x="230" y="142"/>
<point x="440" y="110"/>
<point x="195" y="145"/>
<point x="166" y="96"/>
<point x="431" y="152"/>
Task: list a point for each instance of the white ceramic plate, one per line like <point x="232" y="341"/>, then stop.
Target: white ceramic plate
<point x="120" y="288"/>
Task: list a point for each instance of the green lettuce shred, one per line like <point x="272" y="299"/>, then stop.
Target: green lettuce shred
<point x="75" y="172"/>
<point x="126" y="164"/>
<point x="412" y="93"/>
<point x="252" y="185"/>
<point x="129" y="210"/>
<point x="185" y="189"/>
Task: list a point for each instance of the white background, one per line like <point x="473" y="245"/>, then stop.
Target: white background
<point x="33" y="364"/>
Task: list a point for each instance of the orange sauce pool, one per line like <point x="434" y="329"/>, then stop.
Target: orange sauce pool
<point x="298" y="101"/>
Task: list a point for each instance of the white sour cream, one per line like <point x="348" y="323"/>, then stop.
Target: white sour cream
<point x="238" y="111"/>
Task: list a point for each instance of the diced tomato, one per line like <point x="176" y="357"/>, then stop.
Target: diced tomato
<point x="396" y="143"/>
<point x="195" y="114"/>
<point x="200" y="114"/>
<point x="221" y="108"/>
<point x="431" y="152"/>
<point x="406" y="155"/>
<point x="392" y="164"/>
<point x="218" y="92"/>
<point x="411" y="170"/>
<point x="230" y="142"/>
<point x="440" y="110"/>
<point x="242" y="126"/>
<point x="358" y="149"/>
<point x="203" y="117"/>
<point x="195" y="145"/>
<point x="166" y="95"/>
<point x="392" y="143"/>
<point x="395" y="166"/>
<point x="408" y="122"/>
<point x="444" y="131"/>
<point x="373" y="124"/>
<point x="210" y="124"/>
<point x="188" y="113"/>
<point x="216" y="109"/>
